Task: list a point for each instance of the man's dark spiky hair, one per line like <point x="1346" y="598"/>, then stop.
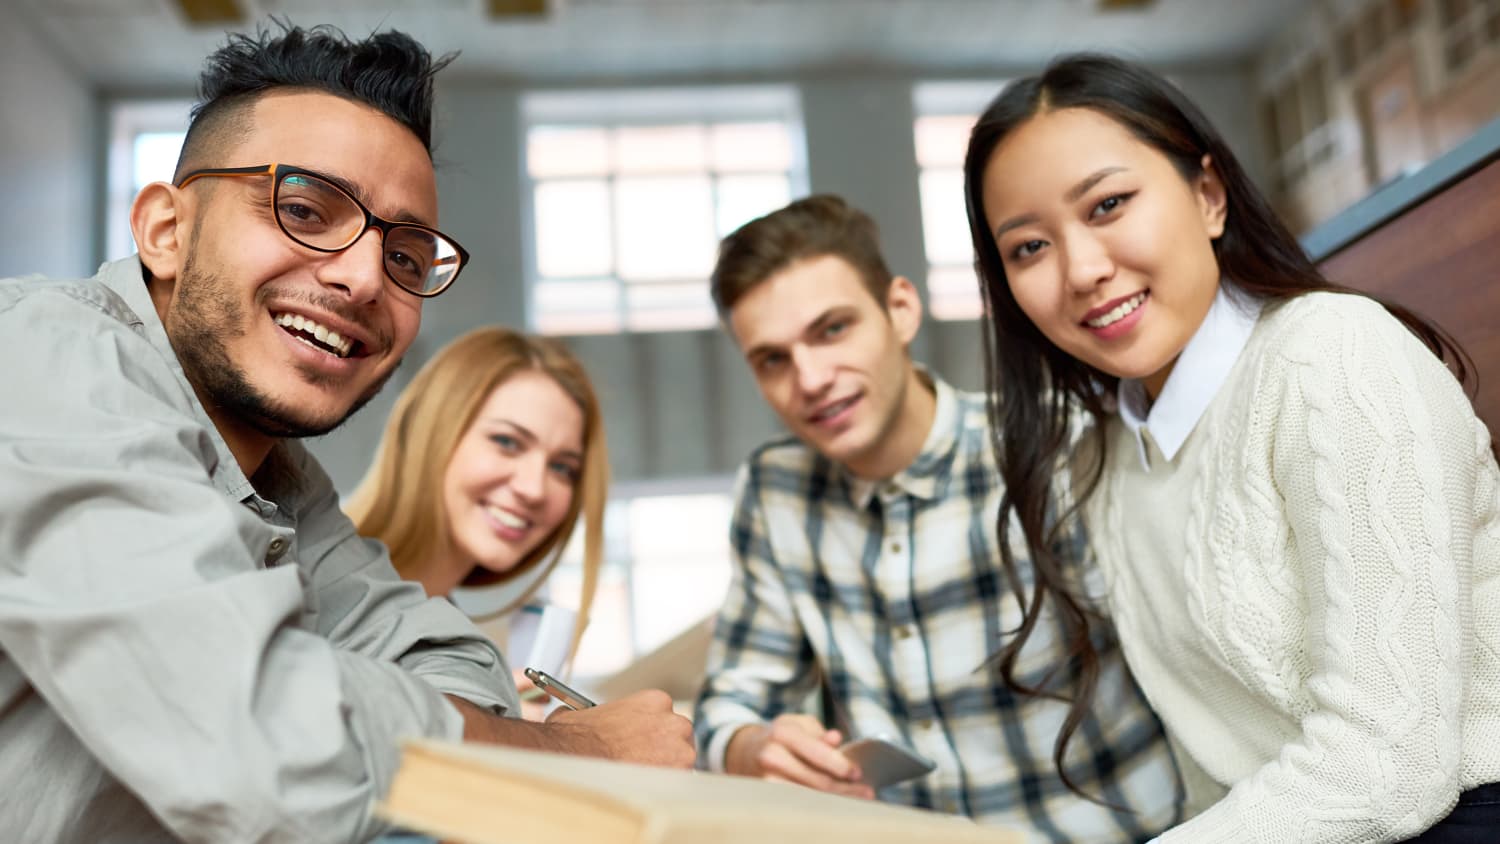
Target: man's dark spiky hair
<point x="388" y="71"/>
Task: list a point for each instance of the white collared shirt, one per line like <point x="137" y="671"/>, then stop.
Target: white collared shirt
<point x="1196" y="377"/>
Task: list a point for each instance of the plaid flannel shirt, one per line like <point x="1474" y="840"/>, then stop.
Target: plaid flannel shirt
<point x="892" y="595"/>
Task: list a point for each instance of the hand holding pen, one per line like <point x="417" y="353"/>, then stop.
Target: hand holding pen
<point x="639" y="727"/>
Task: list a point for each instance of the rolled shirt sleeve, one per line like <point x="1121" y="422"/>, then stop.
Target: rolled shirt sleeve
<point x="237" y="694"/>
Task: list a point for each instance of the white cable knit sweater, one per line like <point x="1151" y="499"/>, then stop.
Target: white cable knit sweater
<point x="1309" y="591"/>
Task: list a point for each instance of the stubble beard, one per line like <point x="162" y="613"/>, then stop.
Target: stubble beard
<point x="204" y="316"/>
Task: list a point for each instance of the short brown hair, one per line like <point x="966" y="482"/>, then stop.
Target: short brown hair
<point x="812" y="227"/>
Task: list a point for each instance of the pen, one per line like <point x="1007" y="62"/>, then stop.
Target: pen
<point x="549" y="684"/>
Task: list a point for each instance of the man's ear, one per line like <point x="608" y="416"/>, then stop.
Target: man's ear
<point x="904" y="307"/>
<point x="158" y="219"/>
<point x="1213" y="199"/>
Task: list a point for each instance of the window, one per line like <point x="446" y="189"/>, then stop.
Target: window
<point x="666" y="568"/>
<point x="630" y="192"/>
<point x="1469" y="29"/>
<point x="946" y="111"/>
<point x="1304" y="135"/>
<point x="144" y="139"/>
<point x="1363" y="38"/>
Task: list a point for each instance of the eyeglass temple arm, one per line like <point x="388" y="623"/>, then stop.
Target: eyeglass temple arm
<point x="264" y="170"/>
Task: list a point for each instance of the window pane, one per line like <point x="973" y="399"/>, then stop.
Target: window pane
<point x="945" y="224"/>
<point x="1460" y="49"/>
<point x="625" y="202"/>
<point x="155" y="157"/>
<point x="1346" y="51"/>
<point x="1289" y="114"/>
<point x="661" y="149"/>
<point x="576" y="307"/>
<point x="1314" y="94"/>
<point x="1406" y="12"/>
<point x="752" y="147"/>
<point x="561" y="151"/>
<point x="607" y="644"/>
<point x="954" y="292"/>
<point x="1373" y="30"/>
<point x="573" y="229"/>
<point x="669" y="306"/>
<point x="743" y="198"/>
<point x="1268" y="122"/>
<point x="1450" y="11"/>
<point x="686" y="526"/>
<point x="680" y="563"/>
<point x="675" y="594"/>
<point x="665" y="227"/>
<point x="942" y="139"/>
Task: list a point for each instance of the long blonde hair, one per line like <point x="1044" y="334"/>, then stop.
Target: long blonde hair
<point x="400" y="500"/>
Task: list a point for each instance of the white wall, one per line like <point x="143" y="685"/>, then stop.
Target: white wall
<point x="48" y="170"/>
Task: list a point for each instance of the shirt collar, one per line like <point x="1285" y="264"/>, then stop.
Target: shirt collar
<point x="1200" y="371"/>
<point x="126" y="279"/>
<point x="920" y="479"/>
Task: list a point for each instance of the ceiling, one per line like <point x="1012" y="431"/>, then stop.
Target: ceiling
<point x="130" y="45"/>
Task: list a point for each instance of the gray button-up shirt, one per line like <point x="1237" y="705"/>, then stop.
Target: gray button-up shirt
<point x="182" y="653"/>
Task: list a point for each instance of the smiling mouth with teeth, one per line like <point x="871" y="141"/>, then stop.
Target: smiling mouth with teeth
<point x="1119" y="312"/>
<point x="834" y="409"/>
<point x="506" y="518"/>
<point x="318" y="336"/>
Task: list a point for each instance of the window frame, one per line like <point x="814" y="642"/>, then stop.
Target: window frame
<point x="128" y="120"/>
<point x="947" y="99"/>
<point x="602" y="108"/>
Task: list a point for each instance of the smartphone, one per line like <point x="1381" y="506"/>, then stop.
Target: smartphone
<point x="884" y="762"/>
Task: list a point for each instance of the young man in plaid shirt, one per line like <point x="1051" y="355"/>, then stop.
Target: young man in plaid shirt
<point x="867" y="566"/>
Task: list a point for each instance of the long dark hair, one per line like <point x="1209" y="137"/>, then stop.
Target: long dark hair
<point x="1035" y="388"/>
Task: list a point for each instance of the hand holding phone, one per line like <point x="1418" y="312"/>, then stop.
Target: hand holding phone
<point x="884" y="762"/>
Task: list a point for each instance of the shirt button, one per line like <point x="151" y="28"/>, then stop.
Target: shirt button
<point x="927" y="724"/>
<point x="904" y="631"/>
<point x="891" y="489"/>
<point x="276" y="549"/>
<point x="895" y="547"/>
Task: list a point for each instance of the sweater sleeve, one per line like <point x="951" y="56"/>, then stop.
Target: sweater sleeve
<point x="1382" y="472"/>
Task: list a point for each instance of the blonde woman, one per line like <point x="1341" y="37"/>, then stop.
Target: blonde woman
<point x="488" y="460"/>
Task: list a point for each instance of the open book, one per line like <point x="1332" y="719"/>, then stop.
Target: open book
<point x="486" y="794"/>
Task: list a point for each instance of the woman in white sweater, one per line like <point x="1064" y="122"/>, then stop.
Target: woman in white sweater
<point x="1295" y="512"/>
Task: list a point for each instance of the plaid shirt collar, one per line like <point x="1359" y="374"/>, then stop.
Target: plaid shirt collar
<point x="933" y="464"/>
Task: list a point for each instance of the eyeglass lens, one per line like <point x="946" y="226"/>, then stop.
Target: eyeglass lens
<point x="321" y="215"/>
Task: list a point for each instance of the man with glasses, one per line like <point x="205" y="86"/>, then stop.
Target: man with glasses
<point x="194" y="644"/>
